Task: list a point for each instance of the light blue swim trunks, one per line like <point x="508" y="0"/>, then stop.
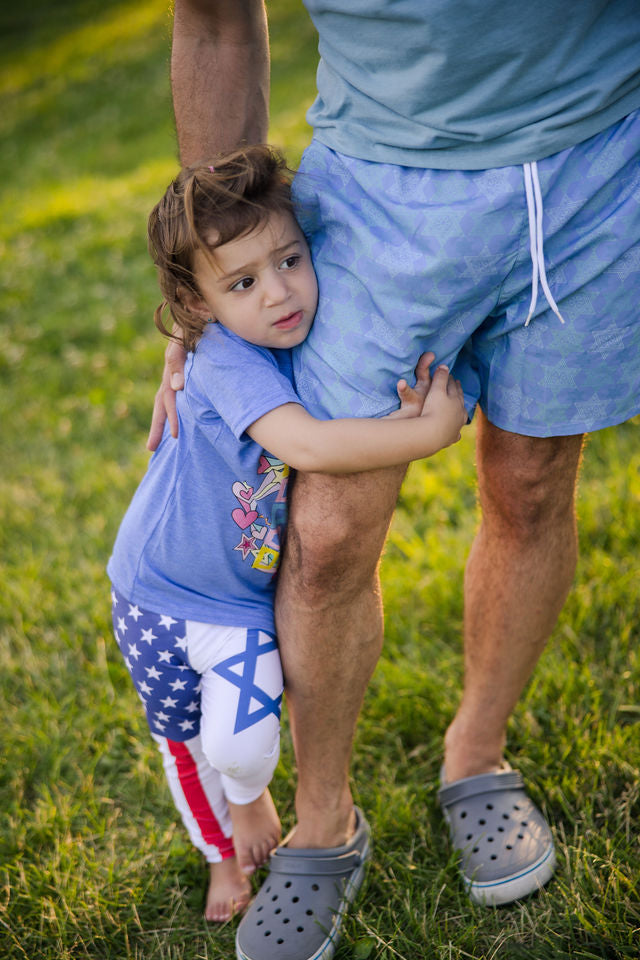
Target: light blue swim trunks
<point x="410" y="260"/>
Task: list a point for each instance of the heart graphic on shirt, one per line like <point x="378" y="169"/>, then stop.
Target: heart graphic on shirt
<point x="244" y="518"/>
<point x="242" y="491"/>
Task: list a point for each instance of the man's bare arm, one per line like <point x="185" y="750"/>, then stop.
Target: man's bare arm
<point x="220" y="85"/>
<point x="219" y="75"/>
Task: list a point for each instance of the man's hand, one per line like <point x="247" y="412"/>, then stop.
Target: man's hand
<point x="412" y="398"/>
<point x="164" y="405"/>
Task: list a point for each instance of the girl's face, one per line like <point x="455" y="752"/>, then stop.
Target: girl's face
<point x="261" y="286"/>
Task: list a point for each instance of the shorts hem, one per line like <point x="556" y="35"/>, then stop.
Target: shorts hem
<point x="561" y="430"/>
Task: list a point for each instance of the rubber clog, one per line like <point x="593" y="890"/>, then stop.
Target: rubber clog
<point x="297" y="913"/>
<point x="505" y="843"/>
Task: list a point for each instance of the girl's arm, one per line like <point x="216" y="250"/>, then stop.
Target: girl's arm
<point x="353" y="445"/>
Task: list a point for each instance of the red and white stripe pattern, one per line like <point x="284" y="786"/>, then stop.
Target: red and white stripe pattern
<point x="197" y="792"/>
<point x="212" y="697"/>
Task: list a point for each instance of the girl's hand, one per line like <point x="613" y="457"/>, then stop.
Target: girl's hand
<point x="445" y="404"/>
<point x="412" y="398"/>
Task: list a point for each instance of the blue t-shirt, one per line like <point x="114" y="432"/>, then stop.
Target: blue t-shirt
<point x="200" y="540"/>
<point x="465" y="84"/>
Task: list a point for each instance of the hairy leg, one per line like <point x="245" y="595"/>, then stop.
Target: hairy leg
<point x="329" y="622"/>
<point x="518" y="576"/>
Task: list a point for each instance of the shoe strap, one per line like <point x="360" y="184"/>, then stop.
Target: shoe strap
<point x="315" y="866"/>
<point x="483" y="783"/>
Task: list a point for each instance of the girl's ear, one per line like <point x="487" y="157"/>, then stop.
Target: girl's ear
<point x="193" y="303"/>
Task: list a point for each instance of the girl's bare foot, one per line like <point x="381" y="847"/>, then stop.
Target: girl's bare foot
<point x="256" y="831"/>
<point x="229" y="890"/>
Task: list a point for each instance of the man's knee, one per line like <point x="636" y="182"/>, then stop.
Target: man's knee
<point x="526" y="483"/>
<point x="336" y="533"/>
<point x="328" y="554"/>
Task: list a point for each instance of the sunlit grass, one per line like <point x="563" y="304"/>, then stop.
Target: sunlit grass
<point x="87" y="196"/>
<point x="81" y="54"/>
<point x="92" y="860"/>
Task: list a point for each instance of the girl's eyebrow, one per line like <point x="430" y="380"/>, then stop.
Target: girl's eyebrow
<point x="250" y="267"/>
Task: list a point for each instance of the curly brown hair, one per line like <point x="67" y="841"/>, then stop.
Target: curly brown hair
<point x="208" y="205"/>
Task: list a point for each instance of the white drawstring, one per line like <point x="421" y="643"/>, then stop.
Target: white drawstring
<point x="534" y="207"/>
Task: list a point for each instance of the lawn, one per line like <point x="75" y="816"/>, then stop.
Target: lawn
<point x="93" y="862"/>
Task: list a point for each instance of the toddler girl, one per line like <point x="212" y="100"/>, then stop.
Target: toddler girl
<point x="194" y="560"/>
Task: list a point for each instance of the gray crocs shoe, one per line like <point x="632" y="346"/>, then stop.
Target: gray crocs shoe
<point x="506" y="846"/>
<point x="298" y="911"/>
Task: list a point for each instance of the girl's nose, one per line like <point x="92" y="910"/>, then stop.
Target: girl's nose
<point x="276" y="288"/>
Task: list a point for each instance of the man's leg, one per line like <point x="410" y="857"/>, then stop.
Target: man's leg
<point x="329" y="623"/>
<point x="518" y="575"/>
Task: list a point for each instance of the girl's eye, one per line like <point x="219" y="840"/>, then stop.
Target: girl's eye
<point x="290" y="262"/>
<point x="243" y="284"/>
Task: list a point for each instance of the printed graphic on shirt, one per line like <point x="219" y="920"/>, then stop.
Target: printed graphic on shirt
<point x="261" y="514"/>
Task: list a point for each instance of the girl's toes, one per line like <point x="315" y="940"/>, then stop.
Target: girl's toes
<point x="264" y="852"/>
<point x="218" y="912"/>
<point x="247" y="865"/>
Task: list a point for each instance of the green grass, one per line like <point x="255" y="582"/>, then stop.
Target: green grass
<point x="92" y="860"/>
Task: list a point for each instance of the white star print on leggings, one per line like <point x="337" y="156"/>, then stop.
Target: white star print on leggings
<point x="212" y="695"/>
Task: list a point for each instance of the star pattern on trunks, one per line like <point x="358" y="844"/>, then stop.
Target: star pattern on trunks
<point x="463" y="284"/>
<point x="246" y="682"/>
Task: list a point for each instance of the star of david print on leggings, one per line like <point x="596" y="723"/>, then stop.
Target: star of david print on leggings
<point x="212" y="696"/>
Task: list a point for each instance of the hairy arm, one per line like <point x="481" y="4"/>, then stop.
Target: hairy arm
<point x="220" y="85"/>
<point x="354" y="445"/>
<point x="219" y="75"/>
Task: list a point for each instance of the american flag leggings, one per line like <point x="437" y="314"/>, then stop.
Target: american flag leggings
<point x="212" y="696"/>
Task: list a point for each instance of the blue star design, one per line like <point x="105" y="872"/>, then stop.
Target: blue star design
<point x="246" y="682"/>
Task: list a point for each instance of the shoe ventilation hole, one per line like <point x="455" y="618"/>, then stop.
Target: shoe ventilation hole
<point x="482" y="822"/>
<point x="500" y="829"/>
<point x="309" y="913"/>
<point x="489" y="806"/>
<point x="489" y="839"/>
<point x="259" y="923"/>
<point x="274" y="898"/>
<point x="525" y="823"/>
<point x="314" y="886"/>
<point x="279" y="940"/>
<point x="505" y="816"/>
<point x="267" y="889"/>
<point x="509" y="846"/>
<point x="493" y="856"/>
<point x="463" y="814"/>
<point x="469" y="836"/>
<point x="286" y="920"/>
<point x="288" y="884"/>
<point x="294" y="899"/>
<point x="300" y="929"/>
<point x="475" y="849"/>
<point x="267" y="933"/>
<point x="279" y="910"/>
<point x="259" y="909"/>
<point x="516" y="807"/>
<point x="521" y="836"/>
